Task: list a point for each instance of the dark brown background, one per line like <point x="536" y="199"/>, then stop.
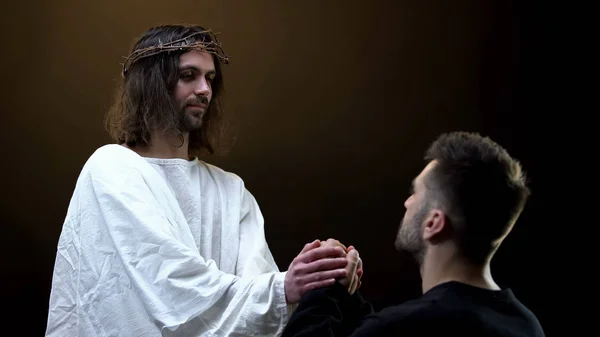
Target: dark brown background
<point x="334" y="105"/>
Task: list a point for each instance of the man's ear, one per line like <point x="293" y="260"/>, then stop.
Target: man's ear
<point x="435" y="225"/>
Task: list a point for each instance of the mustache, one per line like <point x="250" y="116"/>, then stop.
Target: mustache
<point x="198" y="100"/>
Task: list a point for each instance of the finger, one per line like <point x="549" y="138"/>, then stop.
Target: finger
<point x="323" y="264"/>
<point x="350" y="278"/>
<point x="310" y="246"/>
<point x="319" y="284"/>
<point x="335" y="242"/>
<point x="323" y="275"/>
<point x="354" y="258"/>
<point x="353" y="285"/>
<point x="359" y="268"/>
<point x="320" y="253"/>
<point x="352" y="263"/>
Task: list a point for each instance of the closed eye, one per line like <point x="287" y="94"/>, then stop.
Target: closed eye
<point x="187" y="75"/>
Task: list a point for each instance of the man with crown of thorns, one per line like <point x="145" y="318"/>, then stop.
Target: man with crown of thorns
<point x="157" y="242"/>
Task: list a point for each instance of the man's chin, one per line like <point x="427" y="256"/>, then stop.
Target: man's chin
<point x="403" y="249"/>
<point x="399" y="246"/>
<point x="191" y="129"/>
<point x="401" y="242"/>
<point x="192" y="123"/>
<point x="408" y="250"/>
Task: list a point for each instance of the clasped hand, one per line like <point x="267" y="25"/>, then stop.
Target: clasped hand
<point x="320" y="264"/>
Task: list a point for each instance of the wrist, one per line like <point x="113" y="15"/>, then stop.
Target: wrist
<point x="282" y="284"/>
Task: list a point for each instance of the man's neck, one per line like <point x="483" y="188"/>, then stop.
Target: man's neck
<point x="165" y="146"/>
<point x="444" y="265"/>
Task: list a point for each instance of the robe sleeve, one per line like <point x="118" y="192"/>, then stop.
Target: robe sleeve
<point x="182" y="293"/>
<point x="255" y="258"/>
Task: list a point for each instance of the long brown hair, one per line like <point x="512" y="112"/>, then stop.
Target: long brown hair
<point x="144" y="98"/>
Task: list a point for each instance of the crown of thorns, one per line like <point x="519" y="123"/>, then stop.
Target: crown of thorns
<point x="212" y="46"/>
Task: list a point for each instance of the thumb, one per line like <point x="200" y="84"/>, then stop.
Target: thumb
<point x="352" y="266"/>
<point x="353" y="259"/>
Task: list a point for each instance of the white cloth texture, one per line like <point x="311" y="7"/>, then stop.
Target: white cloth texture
<point x="163" y="247"/>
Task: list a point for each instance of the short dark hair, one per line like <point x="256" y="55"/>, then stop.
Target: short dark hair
<point x="144" y="100"/>
<point x="481" y="188"/>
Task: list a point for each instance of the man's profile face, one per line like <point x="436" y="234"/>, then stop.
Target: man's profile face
<point x="193" y="92"/>
<point x="410" y="238"/>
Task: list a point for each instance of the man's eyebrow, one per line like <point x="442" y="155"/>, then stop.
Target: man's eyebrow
<point x="194" y="68"/>
<point x="189" y="67"/>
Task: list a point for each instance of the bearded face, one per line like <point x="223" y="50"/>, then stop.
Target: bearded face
<point x="193" y="92"/>
<point x="418" y="206"/>
<point x="410" y="238"/>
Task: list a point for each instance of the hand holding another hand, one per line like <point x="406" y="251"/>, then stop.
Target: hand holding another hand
<point x="354" y="268"/>
<point x="316" y="266"/>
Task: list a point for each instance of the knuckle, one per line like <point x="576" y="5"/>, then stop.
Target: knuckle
<point x="301" y="269"/>
<point x="322" y="264"/>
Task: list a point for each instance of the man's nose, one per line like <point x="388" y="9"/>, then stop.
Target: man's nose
<point x="408" y="201"/>
<point x="203" y="88"/>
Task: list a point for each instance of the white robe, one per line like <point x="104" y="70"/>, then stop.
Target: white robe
<point x="163" y="247"/>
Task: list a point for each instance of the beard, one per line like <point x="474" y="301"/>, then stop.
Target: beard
<point x="192" y="119"/>
<point x="409" y="238"/>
